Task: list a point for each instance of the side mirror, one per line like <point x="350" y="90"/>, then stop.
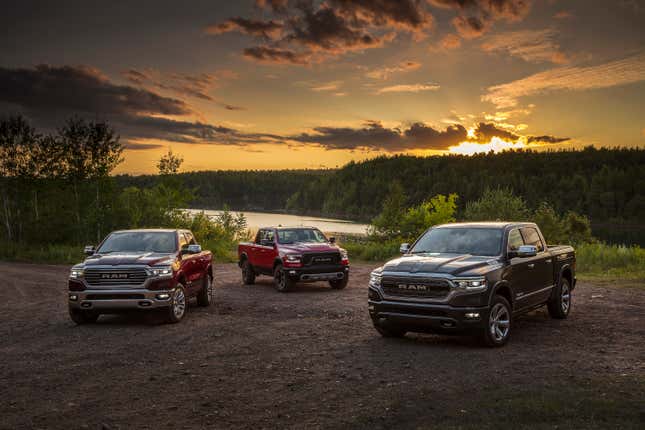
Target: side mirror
<point x="527" y="251"/>
<point x="191" y="249"/>
<point x="332" y="240"/>
<point x="404" y="248"/>
<point x="89" y="250"/>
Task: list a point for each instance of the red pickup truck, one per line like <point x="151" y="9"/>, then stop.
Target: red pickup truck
<point x="141" y="269"/>
<point x="292" y="254"/>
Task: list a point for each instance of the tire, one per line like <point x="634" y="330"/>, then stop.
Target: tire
<point x="83" y="317"/>
<point x="248" y="274"/>
<point x="559" y="305"/>
<point x="390" y="331"/>
<point x="282" y="282"/>
<point x="499" y="322"/>
<point x="205" y="295"/>
<point x="339" y="284"/>
<point x="179" y="305"/>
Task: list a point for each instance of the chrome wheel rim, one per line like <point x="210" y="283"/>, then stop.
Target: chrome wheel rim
<point x="179" y="303"/>
<point x="209" y="287"/>
<point x="279" y="277"/>
<point x="499" y="322"/>
<point x="565" y="299"/>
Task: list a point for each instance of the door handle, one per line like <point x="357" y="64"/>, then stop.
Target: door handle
<point x="548" y="261"/>
<point x="530" y="266"/>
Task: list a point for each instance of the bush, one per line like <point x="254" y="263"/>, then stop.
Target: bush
<point x="599" y="259"/>
<point x="497" y="205"/>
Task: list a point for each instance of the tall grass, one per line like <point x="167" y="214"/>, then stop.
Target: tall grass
<point x="50" y="253"/>
<point x="616" y="261"/>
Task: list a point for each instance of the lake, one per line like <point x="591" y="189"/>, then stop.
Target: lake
<point x="261" y="219"/>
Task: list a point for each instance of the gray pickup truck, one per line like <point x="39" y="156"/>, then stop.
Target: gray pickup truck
<point x="471" y="278"/>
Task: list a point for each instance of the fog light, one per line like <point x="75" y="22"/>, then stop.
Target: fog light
<point x="73" y="297"/>
<point x="163" y="296"/>
<point x="472" y="315"/>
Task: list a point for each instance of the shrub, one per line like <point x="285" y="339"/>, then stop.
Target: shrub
<point x="497" y="205"/>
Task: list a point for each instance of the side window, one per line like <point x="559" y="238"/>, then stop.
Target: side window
<point x="182" y="241"/>
<point x="515" y="240"/>
<point x="190" y="239"/>
<point x="269" y="236"/>
<point x="259" y="236"/>
<point x="531" y="237"/>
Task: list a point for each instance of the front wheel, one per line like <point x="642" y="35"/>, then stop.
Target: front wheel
<point x="205" y="295"/>
<point x="339" y="284"/>
<point x="498" y="325"/>
<point x="178" y="305"/>
<point x="83" y="317"/>
<point x="559" y="305"/>
<point x="282" y="281"/>
<point x="248" y="274"/>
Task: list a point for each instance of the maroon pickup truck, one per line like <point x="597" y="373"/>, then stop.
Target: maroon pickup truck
<point x="141" y="269"/>
<point x="293" y="254"/>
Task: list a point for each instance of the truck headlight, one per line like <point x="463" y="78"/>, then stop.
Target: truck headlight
<point x="375" y="279"/>
<point x="293" y="258"/>
<point x="76" y="273"/>
<point x="161" y="271"/>
<point x="471" y="284"/>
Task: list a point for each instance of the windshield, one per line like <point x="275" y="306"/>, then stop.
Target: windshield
<point x="140" y="241"/>
<point x="304" y="235"/>
<point x="473" y="241"/>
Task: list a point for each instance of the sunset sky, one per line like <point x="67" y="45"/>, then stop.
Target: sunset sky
<point x="272" y="84"/>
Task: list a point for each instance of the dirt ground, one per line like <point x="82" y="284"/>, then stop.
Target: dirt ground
<point x="311" y="359"/>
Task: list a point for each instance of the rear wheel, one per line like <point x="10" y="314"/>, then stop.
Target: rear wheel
<point x="498" y="325"/>
<point x="559" y="305"/>
<point x="248" y="274"/>
<point x="205" y="295"/>
<point x="282" y="281"/>
<point x="178" y="305"/>
<point x="339" y="284"/>
<point x="83" y="317"/>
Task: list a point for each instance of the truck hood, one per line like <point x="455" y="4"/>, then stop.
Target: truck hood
<point x="118" y="259"/>
<point x="450" y="264"/>
<point x="300" y="247"/>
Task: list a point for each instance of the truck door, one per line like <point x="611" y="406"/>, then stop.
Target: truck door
<point x="541" y="267"/>
<point x="520" y="276"/>
<point x="267" y="249"/>
<point x="188" y="264"/>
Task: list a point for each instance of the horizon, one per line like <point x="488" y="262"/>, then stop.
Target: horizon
<point x="285" y="85"/>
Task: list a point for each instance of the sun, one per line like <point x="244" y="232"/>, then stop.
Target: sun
<point x="496" y="145"/>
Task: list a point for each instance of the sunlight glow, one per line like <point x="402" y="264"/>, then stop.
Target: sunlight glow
<point x="496" y="145"/>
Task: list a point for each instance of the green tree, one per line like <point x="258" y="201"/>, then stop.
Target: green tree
<point x="551" y="224"/>
<point x="388" y="222"/>
<point x="439" y="209"/>
<point x="498" y="204"/>
<point x="169" y="163"/>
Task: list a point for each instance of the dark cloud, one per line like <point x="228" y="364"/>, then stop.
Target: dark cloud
<point x="407" y="14"/>
<point x="547" y="139"/>
<point x="314" y="31"/>
<point x="80" y="89"/>
<point x="187" y="85"/>
<point x="475" y="17"/>
<point x="266" y="29"/>
<point x="268" y="54"/>
<point x="485" y="131"/>
<point x="50" y="95"/>
<point x="373" y="136"/>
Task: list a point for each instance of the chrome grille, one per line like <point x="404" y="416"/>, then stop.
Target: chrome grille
<point x="115" y="276"/>
<point x="416" y="287"/>
<point x="321" y="259"/>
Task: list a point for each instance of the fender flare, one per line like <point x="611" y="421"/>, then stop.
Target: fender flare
<point x="243" y="256"/>
<point x="499" y="285"/>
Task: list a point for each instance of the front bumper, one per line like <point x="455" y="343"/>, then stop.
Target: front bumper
<point x="119" y="299"/>
<point x="317" y="273"/>
<point x="424" y="317"/>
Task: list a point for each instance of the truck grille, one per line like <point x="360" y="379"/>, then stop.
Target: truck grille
<point x="416" y="287"/>
<point x="115" y="276"/>
<point x="321" y="259"/>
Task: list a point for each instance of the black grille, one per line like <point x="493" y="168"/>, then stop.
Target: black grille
<point x="416" y="287"/>
<point x="321" y="259"/>
<point x="115" y="296"/>
<point x="115" y="276"/>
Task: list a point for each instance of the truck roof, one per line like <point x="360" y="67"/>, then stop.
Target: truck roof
<point x="283" y="227"/>
<point x="487" y="224"/>
<point x="158" y="230"/>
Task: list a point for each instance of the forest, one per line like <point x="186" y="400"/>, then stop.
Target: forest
<point x="608" y="185"/>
